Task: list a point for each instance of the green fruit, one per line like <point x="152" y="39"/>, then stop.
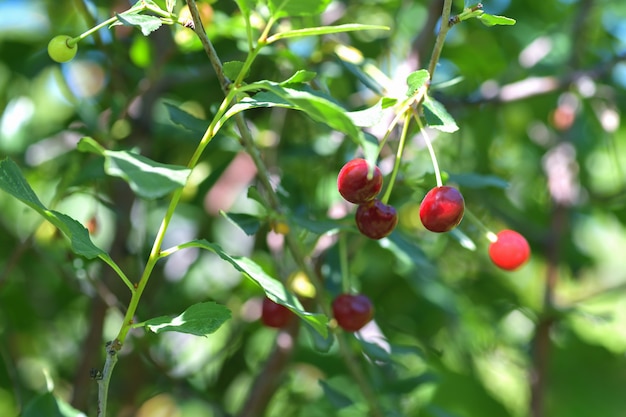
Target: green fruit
<point x="60" y="50"/>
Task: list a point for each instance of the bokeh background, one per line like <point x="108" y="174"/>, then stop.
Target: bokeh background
<point x="541" y="149"/>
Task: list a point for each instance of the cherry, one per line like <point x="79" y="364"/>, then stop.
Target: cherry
<point x="376" y="219"/>
<point x="355" y="184"/>
<point x="510" y="251"/>
<point x="352" y="311"/>
<point x="275" y="315"/>
<point x="442" y="209"/>
<point x="60" y="50"/>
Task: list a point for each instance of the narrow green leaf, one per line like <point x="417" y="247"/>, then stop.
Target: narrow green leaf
<point x="13" y="182"/>
<point x="232" y="69"/>
<point x="186" y="120"/>
<point x="76" y="232"/>
<point x="146" y="23"/>
<point x="317" y="106"/>
<point x="49" y="406"/>
<point x="324" y="30"/>
<point x="291" y="8"/>
<point x="335" y="396"/>
<point x="199" y="319"/>
<point x="438" y="117"/>
<point x="273" y="288"/>
<point x="416" y="80"/>
<point x="147" y="178"/>
<point x="299" y="77"/>
<point x="493" y="20"/>
<point x="368" y="117"/>
<point x="374" y="351"/>
<point x="248" y="223"/>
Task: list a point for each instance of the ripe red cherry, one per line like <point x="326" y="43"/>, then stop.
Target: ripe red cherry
<point x="442" y="209"/>
<point x="352" y="311"/>
<point x="275" y="315"/>
<point x="510" y="251"/>
<point x="376" y="219"/>
<point x="354" y="184"/>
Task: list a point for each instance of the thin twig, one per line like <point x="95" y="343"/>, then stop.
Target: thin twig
<point x="441" y="37"/>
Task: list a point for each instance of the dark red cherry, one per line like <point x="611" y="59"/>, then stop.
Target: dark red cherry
<point x="352" y="311"/>
<point x="275" y="315"/>
<point x="376" y="219"/>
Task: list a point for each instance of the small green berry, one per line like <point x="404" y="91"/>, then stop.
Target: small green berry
<point x="59" y="49"/>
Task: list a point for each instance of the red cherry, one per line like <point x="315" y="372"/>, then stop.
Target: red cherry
<point x="275" y="315"/>
<point x="352" y="311"/>
<point x="376" y="219"/>
<point x="510" y="251"/>
<point x="442" y="209"/>
<point x="355" y="185"/>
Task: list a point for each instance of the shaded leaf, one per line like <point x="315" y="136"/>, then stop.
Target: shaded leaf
<point x="50" y="406"/>
<point x="248" y="223"/>
<point x="199" y="319"/>
<point x="232" y="69"/>
<point x="186" y="120"/>
<point x="334" y="396"/>
<point x="13" y="182"/>
<point x="437" y="116"/>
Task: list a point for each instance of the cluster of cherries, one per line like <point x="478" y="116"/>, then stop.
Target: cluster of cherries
<point x="440" y="211"/>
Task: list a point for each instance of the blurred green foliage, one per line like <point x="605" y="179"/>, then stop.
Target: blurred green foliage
<point x="540" y="149"/>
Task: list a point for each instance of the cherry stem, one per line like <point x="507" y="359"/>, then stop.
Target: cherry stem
<point x="431" y="151"/>
<point x="343" y="264"/>
<point x="491" y="236"/>
<point x="396" y="164"/>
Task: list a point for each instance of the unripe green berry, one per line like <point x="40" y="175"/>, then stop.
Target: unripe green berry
<point x="59" y="49"/>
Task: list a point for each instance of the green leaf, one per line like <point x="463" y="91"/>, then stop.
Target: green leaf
<point x="368" y="117"/>
<point x="416" y="80"/>
<point x="478" y="181"/>
<point x="186" y="120"/>
<point x="147" y="178"/>
<point x="146" y="23"/>
<point x="335" y="396"/>
<point x="493" y="20"/>
<point x="232" y="69"/>
<point x="315" y="105"/>
<point x="87" y="144"/>
<point x="50" y="406"/>
<point x="273" y="288"/>
<point x="374" y="351"/>
<point x="199" y="319"/>
<point x="291" y="8"/>
<point x="437" y="116"/>
<point x="13" y="182"/>
<point x="324" y="30"/>
<point x="248" y="223"/>
<point x="299" y="77"/>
